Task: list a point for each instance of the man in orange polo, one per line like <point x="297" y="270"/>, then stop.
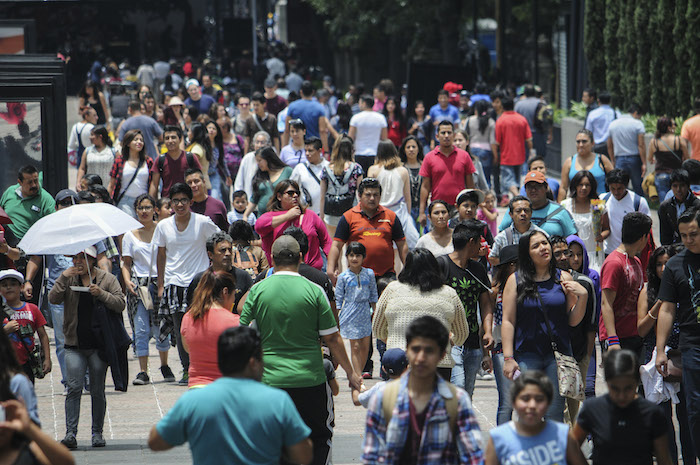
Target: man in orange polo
<point x="375" y="227"/>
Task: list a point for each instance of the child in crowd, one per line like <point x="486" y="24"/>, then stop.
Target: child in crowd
<point x="247" y="256"/>
<point x="356" y="298"/>
<point x="625" y="427"/>
<point x="330" y="376"/>
<point x="240" y="202"/>
<point x="21" y="322"/>
<point x="394" y="364"/>
<point x="163" y="208"/>
<point x="531" y="435"/>
<point x="488" y="212"/>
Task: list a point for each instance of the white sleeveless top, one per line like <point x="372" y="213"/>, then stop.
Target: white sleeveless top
<point x="392" y="187"/>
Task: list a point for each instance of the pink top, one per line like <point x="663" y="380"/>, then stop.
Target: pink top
<point x="311" y="224"/>
<point x="201" y="337"/>
<point x="493" y="225"/>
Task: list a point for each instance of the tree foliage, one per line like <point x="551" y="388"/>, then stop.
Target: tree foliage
<point x="644" y="51"/>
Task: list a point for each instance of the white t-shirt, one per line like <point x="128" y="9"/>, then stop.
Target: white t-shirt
<point x="369" y="126"/>
<point x="616" y="212"/>
<point x="143" y="255"/>
<point x="140" y="184"/>
<point x="246" y="171"/>
<point x="186" y="251"/>
<point x="306" y="181"/>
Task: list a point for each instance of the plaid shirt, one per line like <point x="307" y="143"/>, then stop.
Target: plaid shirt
<point x="384" y="444"/>
<point x="118" y="171"/>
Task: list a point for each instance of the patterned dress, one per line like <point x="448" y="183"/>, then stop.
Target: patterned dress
<point x="353" y="295"/>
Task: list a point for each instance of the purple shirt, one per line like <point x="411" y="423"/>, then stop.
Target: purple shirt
<point x="214" y="209"/>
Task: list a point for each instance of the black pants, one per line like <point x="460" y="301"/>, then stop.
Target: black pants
<point x="184" y="356"/>
<point x="27" y="370"/>
<point x="315" y="405"/>
<point x="365" y="161"/>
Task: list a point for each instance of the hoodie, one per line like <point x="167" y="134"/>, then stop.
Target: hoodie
<point x="593" y="281"/>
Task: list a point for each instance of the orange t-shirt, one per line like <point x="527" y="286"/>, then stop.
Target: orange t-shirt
<point x="201" y="338"/>
<point x="691" y="131"/>
<point x="377" y="234"/>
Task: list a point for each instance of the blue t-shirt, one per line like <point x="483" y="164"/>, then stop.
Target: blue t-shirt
<point x="149" y="128"/>
<point x="23" y="389"/>
<point x="234" y="420"/>
<point x="561" y="224"/>
<point x="451" y="113"/>
<point x="546" y="448"/>
<point x="309" y="112"/>
<point x="203" y="104"/>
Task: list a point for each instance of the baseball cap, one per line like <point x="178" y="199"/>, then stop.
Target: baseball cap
<point x="64" y="194"/>
<point x="508" y="254"/>
<point x="535" y="176"/>
<point x="91" y="251"/>
<point x="394" y="362"/>
<point x="191" y="82"/>
<point x="285" y="246"/>
<point x="480" y="195"/>
<point x="14" y="274"/>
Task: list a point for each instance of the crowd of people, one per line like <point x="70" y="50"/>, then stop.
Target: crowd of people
<point x="317" y="216"/>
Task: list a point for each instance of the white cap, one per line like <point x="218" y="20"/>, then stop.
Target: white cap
<point x="14" y="274"/>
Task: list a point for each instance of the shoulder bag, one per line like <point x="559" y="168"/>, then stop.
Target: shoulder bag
<point x="571" y="383"/>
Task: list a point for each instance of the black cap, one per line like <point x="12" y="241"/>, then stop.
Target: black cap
<point x="508" y="254"/>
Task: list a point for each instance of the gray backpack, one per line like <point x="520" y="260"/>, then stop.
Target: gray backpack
<point x="338" y="196"/>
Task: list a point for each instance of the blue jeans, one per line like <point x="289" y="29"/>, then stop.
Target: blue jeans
<point x="510" y="177"/>
<point x="486" y="157"/>
<point x="126" y="204"/>
<point x="632" y="164"/>
<point x="503" y="384"/>
<point x="467" y="364"/>
<point x="215" y="180"/>
<point x="77" y="361"/>
<point x="144" y="331"/>
<point x="662" y="181"/>
<point x="691" y="387"/>
<point x="57" y="318"/>
<point x="547" y="364"/>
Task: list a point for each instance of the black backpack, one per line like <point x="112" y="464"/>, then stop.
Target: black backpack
<point x="188" y="155"/>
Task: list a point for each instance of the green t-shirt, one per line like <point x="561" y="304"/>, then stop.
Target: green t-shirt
<point x="24" y="212"/>
<point x="291" y="313"/>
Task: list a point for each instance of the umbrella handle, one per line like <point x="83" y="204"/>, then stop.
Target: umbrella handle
<point x="88" y="266"/>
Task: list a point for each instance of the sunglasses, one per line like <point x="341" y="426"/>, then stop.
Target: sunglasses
<point x="291" y="192"/>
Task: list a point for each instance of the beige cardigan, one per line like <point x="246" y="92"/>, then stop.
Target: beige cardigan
<point x="400" y="304"/>
<point x="112" y="297"/>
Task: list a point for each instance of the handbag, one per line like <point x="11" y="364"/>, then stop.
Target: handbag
<point x="143" y="291"/>
<point x="569" y="378"/>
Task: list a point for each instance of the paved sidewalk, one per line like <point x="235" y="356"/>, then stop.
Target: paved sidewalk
<point x="130" y="416"/>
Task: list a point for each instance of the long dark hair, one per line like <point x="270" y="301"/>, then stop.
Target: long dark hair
<point x="219" y="145"/>
<point x="103" y="133"/>
<point x="209" y="291"/>
<point x="201" y="137"/>
<point x="273" y="163"/>
<point x="402" y="149"/>
<point x="502" y="273"/>
<point x="128" y="138"/>
<point x="481" y="111"/>
<point x="398" y="111"/>
<point x="274" y="205"/>
<point x="421" y="270"/>
<point x="82" y="93"/>
<point x="576" y="180"/>
<point x="9" y="366"/>
<point x="344" y="113"/>
<point x="654" y="281"/>
<point x="527" y="286"/>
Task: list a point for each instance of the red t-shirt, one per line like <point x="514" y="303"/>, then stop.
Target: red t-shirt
<point x="201" y="337"/>
<point x="447" y="174"/>
<point x="512" y="131"/>
<point x="625" y="276"/>
<point x="28" y="314"/>
<point x="173" y="170"/>
<point x="395" y="132"/>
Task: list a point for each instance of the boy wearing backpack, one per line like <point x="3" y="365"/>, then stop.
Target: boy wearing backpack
<point x="408" y="420"/>
<point x="171" y="167"/>
<point x="619" y="201"/>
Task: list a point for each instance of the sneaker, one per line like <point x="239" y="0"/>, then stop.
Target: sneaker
<point x="69" y="441"/>
<point x="167" y="373"/>
<point x="141" y="379"/>
<point x="98" y="440"/>
<point x="366" y="375"/>
<point x="484" y="375"/>
<point x="185" y="379"/>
